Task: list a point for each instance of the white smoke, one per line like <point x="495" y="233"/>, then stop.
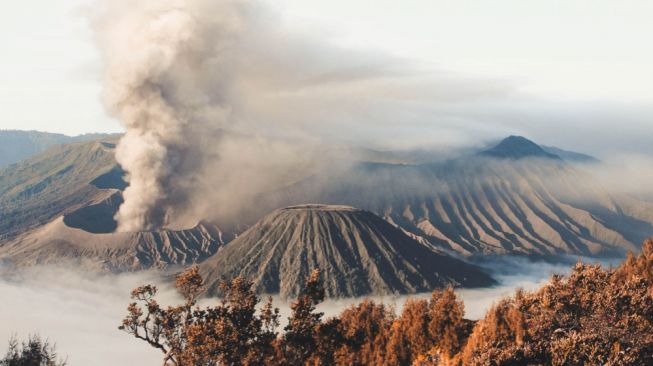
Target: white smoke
<point x="168" y="69"/>
<point x="222" y="101"/>
<point x="194" y="83"/>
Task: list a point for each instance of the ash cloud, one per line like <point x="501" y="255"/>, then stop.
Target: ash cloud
<point x="221" y="100"/>
<point x="169" y="80"/>
<point x="180" y="75"/>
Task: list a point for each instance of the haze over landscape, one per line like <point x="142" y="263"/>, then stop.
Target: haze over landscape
<point x="236" y="147"/>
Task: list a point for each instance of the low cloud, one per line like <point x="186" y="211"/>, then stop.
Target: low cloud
<point x="81" y="312"/>
<point x="629" y="174"/>
<point x="78" y="312"/>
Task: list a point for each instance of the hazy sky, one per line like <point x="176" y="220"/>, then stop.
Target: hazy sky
<point x="571" y="65"/>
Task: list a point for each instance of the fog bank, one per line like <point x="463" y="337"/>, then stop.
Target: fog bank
<point x="81" y="312"/>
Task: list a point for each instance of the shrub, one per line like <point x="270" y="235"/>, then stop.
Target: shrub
<point x="33" y="352"/>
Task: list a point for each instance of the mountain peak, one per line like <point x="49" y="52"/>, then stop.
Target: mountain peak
<point x="358" y="253"/>
<point x="518" y="147"/>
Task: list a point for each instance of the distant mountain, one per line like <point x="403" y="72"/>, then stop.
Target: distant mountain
<point x="434" y="155"/>
<point x="518" y="147"/>
<point x="357" y="252"/>
<point x="17" y="145"/>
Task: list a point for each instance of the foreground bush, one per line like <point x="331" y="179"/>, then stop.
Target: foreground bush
<point x="594" y="316"/>
<point x="33" y="352"/>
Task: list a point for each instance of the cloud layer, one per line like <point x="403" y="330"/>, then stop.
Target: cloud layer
<point x="81" y="312"/>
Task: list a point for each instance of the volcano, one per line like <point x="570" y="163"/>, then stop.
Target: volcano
<point x="357" y="252"/>
<point x="58" y="207"/>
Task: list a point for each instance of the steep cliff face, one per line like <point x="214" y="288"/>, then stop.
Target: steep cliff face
<point x="358" y="253"/>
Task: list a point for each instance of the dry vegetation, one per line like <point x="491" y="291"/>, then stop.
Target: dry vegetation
<point x="33" y="352"/>
<point x="594" y="316"/>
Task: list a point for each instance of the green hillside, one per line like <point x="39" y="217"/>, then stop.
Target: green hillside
<point x="57" y="181"/>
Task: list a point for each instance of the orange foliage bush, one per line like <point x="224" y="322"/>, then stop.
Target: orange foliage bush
<point x="365" y="329"/>
<point x="594" y="316"/>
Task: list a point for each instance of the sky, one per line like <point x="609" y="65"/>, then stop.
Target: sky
<point x="569" y="69"/>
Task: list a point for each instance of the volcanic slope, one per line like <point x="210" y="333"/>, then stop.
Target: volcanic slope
<point x="59" y="244"/>
<point x="55" y="182"/>
<point x="357" y="252"/>
<point x="515" y="199"/>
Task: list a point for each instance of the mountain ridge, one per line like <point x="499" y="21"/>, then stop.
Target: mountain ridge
<point x="17" y="145"/>
<point x="53" y="183"/>
<point x="475" y="205"/>
<point x="471" y="205"/>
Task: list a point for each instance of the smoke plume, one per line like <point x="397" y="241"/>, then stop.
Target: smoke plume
<point x="183" y="77"/>
<point x="168" y="79"/>
<point x="222" y="102"/>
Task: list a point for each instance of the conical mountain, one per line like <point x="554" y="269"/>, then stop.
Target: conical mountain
<point x="357" y="252"/>
<point x="518" y="147"/>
